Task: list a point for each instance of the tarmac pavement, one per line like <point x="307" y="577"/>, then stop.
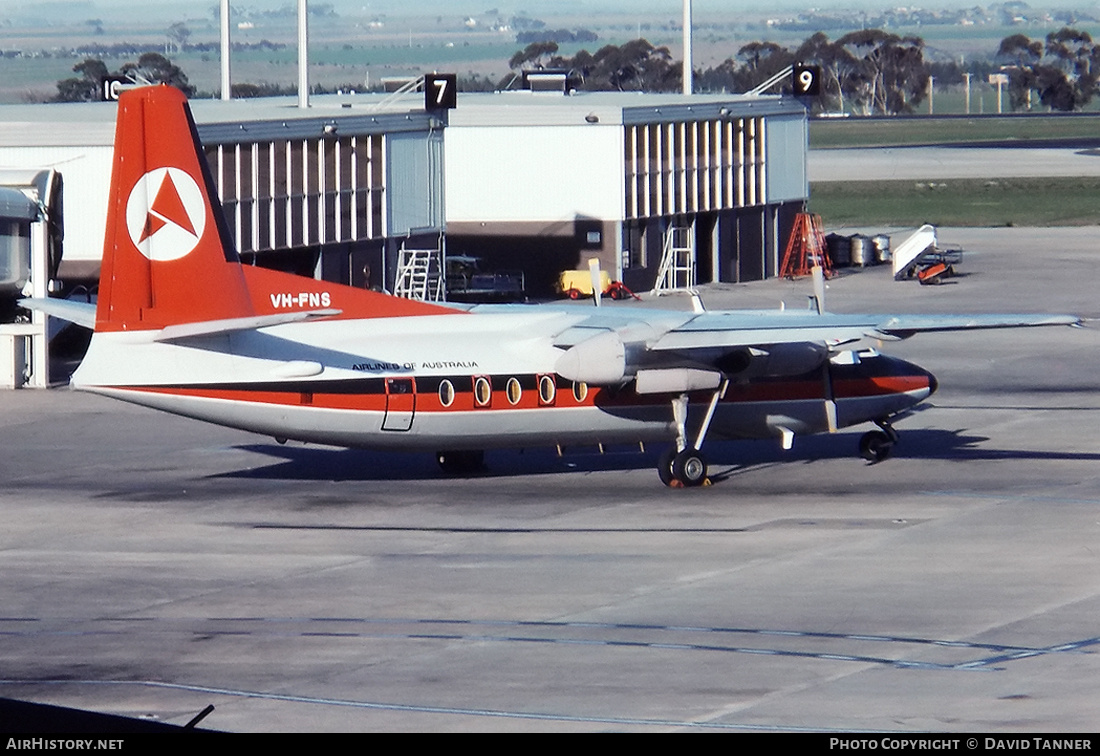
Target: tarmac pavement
<point x="153" y="565"/>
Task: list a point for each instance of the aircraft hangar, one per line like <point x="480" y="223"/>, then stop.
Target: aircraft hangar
<point x="323" y="191"/>
<point x="521" y="174"/>
<point x="709" y="185"/>
<point x="357" y="188"/>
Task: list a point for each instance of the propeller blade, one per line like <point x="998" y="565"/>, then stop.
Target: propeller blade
<point x="594" y="270"/>
<point x="819" y="288"/>
<point x="830" y="400"/>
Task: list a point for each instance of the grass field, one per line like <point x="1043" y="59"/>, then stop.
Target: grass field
<point x="857" y="132"/>
<point x="973" y="202"/>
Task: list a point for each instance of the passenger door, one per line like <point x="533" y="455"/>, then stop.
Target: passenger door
<point x="400" y="404"/>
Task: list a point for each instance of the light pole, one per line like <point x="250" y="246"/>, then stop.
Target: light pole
<point x="687" y="75"/>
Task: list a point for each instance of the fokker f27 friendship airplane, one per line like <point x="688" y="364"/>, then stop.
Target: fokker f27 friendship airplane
<point x="180" y="325"/>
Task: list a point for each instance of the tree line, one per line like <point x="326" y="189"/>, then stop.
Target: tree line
<point x="866" y="72"/>
<point x="151" y="67"/>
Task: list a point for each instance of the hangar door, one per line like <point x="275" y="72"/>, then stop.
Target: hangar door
<point x="414" y="172"/>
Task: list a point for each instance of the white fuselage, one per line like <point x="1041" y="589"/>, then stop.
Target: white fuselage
<point x="468" y="381"/>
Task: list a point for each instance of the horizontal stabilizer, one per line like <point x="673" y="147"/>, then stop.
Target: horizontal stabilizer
<point x="185" y="331"/>
<point x="81" y="313"/>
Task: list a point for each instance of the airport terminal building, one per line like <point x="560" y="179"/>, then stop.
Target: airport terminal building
<point x="536" y="181"/>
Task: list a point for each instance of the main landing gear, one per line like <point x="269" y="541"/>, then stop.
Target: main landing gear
<point x="683" y="465"/>
<point x="877" y="446"/>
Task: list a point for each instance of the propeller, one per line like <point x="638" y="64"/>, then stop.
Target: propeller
<point x="826" y="369"/>
<point x="594" y="270"/>
<point x="830" y="400"/>
<point x="819" y="289"/>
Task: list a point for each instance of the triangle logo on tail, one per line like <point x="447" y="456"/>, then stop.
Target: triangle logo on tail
<point x="166" y="214"/>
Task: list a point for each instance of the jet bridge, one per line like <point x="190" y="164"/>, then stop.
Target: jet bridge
<point x="30" y="251"/>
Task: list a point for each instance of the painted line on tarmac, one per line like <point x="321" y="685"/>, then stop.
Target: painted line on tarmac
<point x="1001" y="653"/>
<point x="426" y="709"/>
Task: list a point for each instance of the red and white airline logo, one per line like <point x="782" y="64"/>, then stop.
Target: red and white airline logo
<point x="165" y="214"/>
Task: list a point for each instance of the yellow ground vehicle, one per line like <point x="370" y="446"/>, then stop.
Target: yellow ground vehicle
<point x="578" y="283"/>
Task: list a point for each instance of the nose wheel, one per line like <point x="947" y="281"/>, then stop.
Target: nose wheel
<point x="877" y="446"/>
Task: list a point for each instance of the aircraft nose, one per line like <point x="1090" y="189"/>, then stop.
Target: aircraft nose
<point x="933" y="384"/>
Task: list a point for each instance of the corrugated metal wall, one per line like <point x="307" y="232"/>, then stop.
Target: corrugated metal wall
<point x="694" y="166"/>
<point x="293" y="193"/>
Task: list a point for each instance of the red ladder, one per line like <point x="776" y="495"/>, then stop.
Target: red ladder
<point x="805" y="248"/>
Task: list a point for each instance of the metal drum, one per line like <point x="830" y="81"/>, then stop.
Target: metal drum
<point x="863" y="251"/>
<point x="881" y="243"/>
<point x="840" y="250"/>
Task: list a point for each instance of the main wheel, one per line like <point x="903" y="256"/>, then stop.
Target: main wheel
<point x="664" y="465"/>
<point x="465" y="462"/>
<point x="689" y="467"/>
<point x="875" y="446"/>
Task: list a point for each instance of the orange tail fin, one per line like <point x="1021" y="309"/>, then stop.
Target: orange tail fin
<point x="167" y="257"/>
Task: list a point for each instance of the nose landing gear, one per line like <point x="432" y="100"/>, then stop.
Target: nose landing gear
<point x="877" y="446"/>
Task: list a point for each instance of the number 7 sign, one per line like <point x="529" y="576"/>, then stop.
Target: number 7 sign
<point x="440" y="91"/>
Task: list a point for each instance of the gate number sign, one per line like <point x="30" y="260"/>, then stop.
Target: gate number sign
<point x="806" y="80"/>
<point x="440" y="91"/>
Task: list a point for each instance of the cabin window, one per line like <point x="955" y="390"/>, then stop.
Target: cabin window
<point x="547" y="389"/>
<point x="514" y="390"/>
<point x="446" y="393"/>
<point x="483" y="391"/>
<point x="580" y="391"/>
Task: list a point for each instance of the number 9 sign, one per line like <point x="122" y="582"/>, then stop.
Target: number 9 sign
<point x="806" y="80"/>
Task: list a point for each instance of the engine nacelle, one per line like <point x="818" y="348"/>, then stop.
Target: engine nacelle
<point x="773" y="361"/>
<point x="598" y="361"/>
<point x="676" y="380"/>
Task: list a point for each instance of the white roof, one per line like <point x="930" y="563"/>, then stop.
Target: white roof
<point x="93" y="123"/>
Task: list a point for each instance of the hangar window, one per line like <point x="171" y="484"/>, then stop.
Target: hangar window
<point x="483" y="391"/>
<point x="514" y="391"/>
<point x="547" y="389"/>
<point x="446" y="393"/>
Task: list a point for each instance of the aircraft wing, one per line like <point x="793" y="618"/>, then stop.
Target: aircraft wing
<point x="757" y="329"/>
<point x="904" y="326"/>
<point x="693" y="351"/>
